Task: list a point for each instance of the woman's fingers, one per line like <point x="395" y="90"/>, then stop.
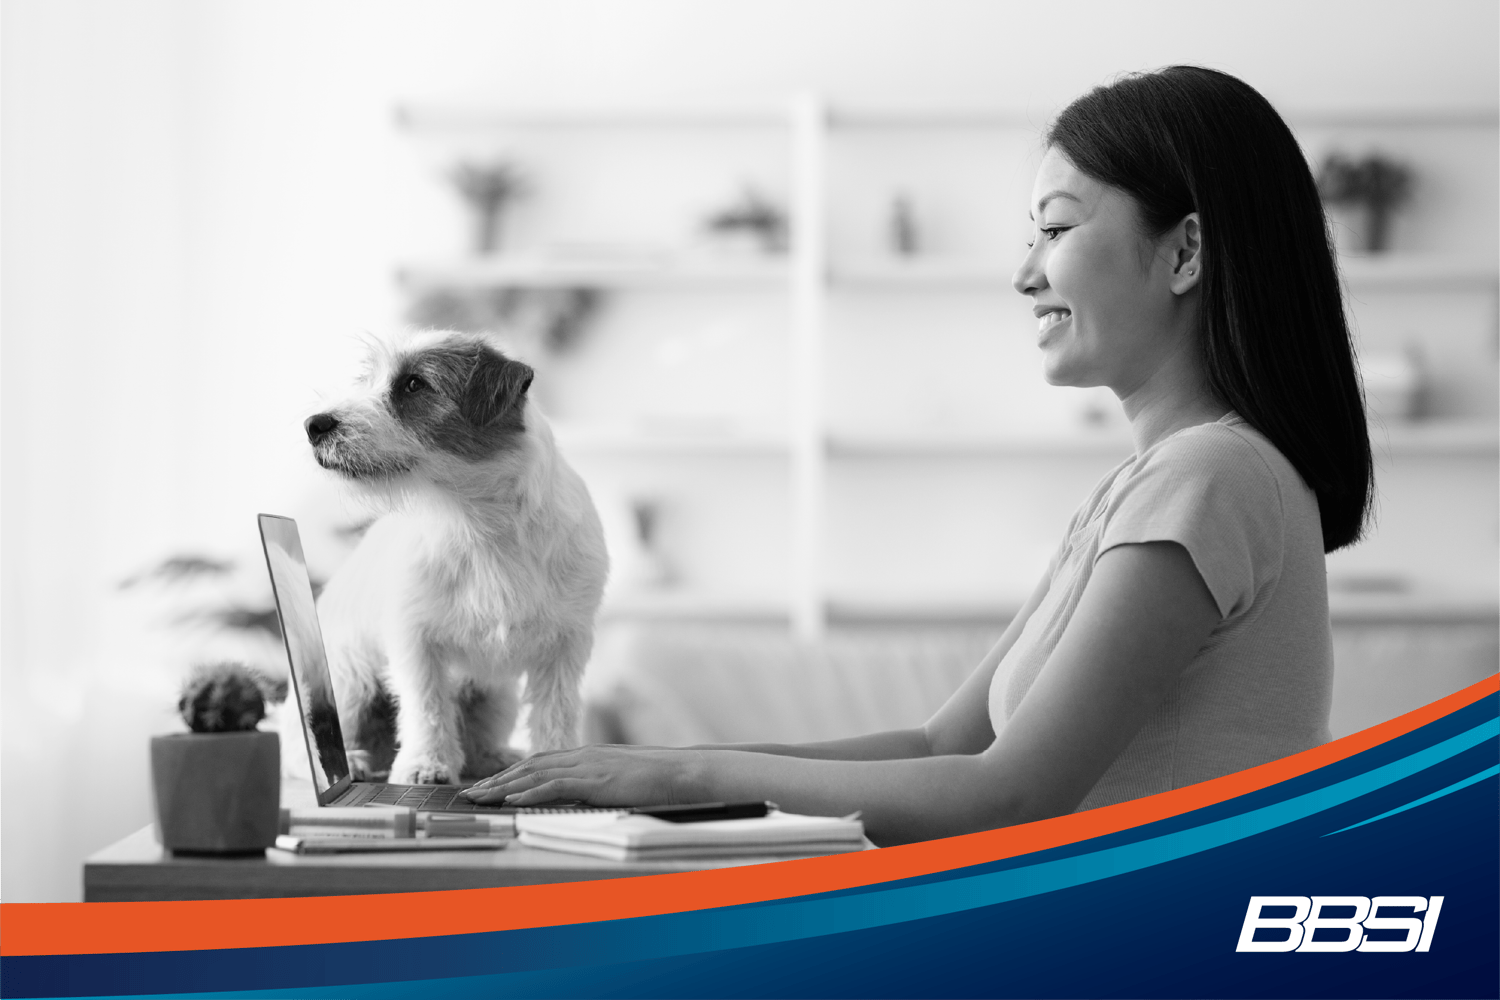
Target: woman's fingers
<point x="484" y="796"/>
<point x="502" y="787"/>
<point x="518" y="769"/>
<point x="493" y="788"/>
<point x="550" y="790"/>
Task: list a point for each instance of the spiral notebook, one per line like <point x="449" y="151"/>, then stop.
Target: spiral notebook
<point x="635" y="837"/>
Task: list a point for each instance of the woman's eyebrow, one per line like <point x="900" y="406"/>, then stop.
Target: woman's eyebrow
<point x="1041" y="206"/>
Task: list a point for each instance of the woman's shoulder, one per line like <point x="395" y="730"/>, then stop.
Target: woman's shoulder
<point x="1229" y="448"/>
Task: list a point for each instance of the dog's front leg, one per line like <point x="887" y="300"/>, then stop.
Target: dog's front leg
<point x="552" y="689"/>
<point x="427" y="716"/>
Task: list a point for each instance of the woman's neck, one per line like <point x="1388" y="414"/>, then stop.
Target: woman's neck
<point x="1172" y="398"/>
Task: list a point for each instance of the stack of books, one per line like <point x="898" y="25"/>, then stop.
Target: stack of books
<point x="335" y="830"/>
<point x="624" y="836"/>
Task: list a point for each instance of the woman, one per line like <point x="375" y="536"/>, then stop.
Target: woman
<point x="1181" y="632"/>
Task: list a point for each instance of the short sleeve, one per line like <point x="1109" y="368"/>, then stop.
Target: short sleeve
<point x="1211" y="491"/>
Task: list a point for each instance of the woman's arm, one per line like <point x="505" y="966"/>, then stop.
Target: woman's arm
<point x="1144" y="615"/>
<point x="961" y="725"/>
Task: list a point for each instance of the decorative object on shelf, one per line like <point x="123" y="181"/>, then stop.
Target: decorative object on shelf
<point x="489" y="189"/>
<point x="905" y="240"/>
<point x="195" y="576"/>
<point x="218" y="788"/>
<point x="649" y="568"/>
<point x="554" y="317"/>
<point x="1393" y="383"/>
<point x="753" y="217"/>
<point x="1376" y="184"/>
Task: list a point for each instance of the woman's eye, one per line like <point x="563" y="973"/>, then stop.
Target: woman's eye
<point x="413" y="383"/>
<point x="1050" y="232"/>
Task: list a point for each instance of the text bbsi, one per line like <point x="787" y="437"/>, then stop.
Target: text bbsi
<point x="1349" y="931"/>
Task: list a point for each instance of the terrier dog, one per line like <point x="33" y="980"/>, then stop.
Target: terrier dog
<point x="487" y="566"/>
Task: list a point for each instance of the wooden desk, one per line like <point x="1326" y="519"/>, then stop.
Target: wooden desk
<point x="137" y="868"/>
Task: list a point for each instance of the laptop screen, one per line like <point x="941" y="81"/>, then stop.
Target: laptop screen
<point x="304" y="649"/>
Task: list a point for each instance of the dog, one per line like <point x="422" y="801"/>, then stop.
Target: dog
<point x="483" y="575"/>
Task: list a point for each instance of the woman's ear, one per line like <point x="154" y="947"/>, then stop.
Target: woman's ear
<point x="1184" y="244"/>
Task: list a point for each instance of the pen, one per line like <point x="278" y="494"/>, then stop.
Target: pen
<point x="466" y="825"/>
<point x="698" y="812"/>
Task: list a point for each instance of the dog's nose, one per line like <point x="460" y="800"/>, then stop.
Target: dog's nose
<point x="319" y="424"/>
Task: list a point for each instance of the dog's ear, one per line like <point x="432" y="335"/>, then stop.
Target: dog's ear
<point x="496" y="386"/>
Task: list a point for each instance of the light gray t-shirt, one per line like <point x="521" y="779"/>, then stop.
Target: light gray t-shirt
<point x="1261" y="686"/>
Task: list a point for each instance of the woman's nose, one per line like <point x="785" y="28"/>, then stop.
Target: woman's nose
<point x="1029" y="278"/>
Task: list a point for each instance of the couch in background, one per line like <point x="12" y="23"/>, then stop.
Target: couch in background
<point x="679" y="684"/>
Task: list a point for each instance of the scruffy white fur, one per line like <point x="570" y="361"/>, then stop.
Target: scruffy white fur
<point x="484" y="568"/>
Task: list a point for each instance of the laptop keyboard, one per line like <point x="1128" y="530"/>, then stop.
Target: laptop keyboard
<point x="436" y="798"/>
<point x="445" y="798"/>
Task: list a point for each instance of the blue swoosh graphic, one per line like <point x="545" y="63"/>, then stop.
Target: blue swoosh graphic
<point x="1457" y="785"/>
<point x="689" y="933"/>
<point x="739" y="927"/>
<point x="831" y="916"/>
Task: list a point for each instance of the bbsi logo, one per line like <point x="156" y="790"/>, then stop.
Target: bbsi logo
<point x="1347" y="932"/>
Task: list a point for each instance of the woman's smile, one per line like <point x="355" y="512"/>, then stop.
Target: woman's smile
<point x="1050" y="319"/>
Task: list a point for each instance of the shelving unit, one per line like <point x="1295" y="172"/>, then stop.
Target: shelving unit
<point x="600" y="272"/>
<point x="1431" y="272"/>
<point x="810" y="280"/>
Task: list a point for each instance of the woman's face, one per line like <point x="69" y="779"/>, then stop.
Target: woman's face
<point x="1101" y="291"/>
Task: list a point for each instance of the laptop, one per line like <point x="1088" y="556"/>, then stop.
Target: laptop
<point x="312" y="685"/>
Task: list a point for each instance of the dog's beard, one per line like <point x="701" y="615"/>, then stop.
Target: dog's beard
<point x="352" y="464"/>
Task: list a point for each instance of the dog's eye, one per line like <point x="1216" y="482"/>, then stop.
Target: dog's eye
<point x="413" y="383"/>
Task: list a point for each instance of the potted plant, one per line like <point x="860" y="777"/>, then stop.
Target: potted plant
<point x="1375" y="184"/>
<point x="753" y="218"/>
<point x="218" y="787"/>
<point x="489" y="189"/>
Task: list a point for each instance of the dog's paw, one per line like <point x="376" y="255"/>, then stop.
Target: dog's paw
<point x="421" y="771"/>
<point x="492" y="762"/>
<point x="359" y="764"/>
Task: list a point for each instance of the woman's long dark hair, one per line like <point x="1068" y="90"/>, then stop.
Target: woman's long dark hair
<point x="1275" y="342"/>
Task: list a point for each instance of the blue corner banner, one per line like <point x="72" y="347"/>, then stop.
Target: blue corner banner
<point x="1377" y="875"/>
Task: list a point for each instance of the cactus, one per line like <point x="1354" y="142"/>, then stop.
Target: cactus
<point x="223" y="698"/>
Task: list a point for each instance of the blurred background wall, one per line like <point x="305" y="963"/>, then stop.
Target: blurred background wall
<point x="207" y="204"/>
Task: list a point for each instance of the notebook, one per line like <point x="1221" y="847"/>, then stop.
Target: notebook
<point x="636" y="837"/>
<point x="312" y="686"/>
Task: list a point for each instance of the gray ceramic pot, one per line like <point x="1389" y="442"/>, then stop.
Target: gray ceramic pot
<point x="216" y="793"/>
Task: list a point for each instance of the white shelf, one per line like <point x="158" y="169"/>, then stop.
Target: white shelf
<point x="918" y="609"/>
<point x="690" y="605"/>
<point x="1408" y="605"/>
<point x="1415" y="272"/>
<point x="1418" y="272"/>
<point x="1380" y="606"/>
<point x="937" y="273"/>
<point x="667" y="440"/>
<point x="1415" y="605"/>
<point x="1471" y="438"/>
<point x="1450" y="117"/>
<point x="931" y="117"/>
<point x="545" y="272"/>
<point x="1104" y="442"/>
<point x="1440" y="438"/>
<point x="446" y="116"/>
<point x="992" y="117"/>
<point x="439" y="117"/>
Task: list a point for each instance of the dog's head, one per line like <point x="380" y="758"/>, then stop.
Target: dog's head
<point x="423" y="403"/>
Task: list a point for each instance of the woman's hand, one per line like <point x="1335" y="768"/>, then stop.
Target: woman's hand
<point x="596" y="775"/>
